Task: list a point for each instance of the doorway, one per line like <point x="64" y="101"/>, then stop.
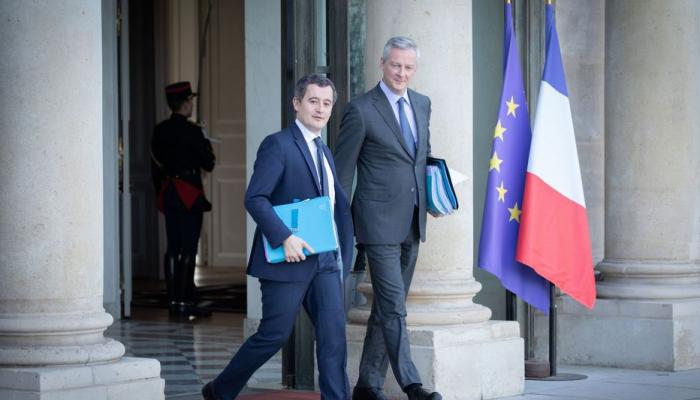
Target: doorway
<point x="164" y="49"/>
<point x="201" y="42"/>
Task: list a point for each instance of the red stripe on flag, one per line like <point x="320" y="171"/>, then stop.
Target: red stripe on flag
<point x="554" y="240"/>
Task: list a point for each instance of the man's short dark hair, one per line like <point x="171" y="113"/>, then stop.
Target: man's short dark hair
<point x="313" y="79"/>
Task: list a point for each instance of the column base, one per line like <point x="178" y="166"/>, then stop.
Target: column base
<point x="640" y="334"/>
<point x="128" y="378"/>
<point x="462" y="362"/>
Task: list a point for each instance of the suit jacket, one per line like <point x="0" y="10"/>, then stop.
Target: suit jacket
<point x="284" y="172"/>
<point x="387" y="174"/>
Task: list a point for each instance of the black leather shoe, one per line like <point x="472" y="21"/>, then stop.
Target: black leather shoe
<point x="193" y="310"/>
<point x="208" y="392"/>
<point x="418" y="393"/>
<point x="360" y="393"/>
<point x="187" y="311"/>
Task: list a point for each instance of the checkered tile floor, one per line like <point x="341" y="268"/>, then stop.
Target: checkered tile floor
<point x="191" y="354"/>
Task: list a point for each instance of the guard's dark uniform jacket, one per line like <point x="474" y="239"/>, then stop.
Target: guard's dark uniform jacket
<point x="180" y="152"/>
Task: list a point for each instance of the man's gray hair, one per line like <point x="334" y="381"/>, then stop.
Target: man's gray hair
<point x="400" y="42"/>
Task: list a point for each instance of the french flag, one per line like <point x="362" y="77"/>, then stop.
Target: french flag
<point x="554" y="238"/>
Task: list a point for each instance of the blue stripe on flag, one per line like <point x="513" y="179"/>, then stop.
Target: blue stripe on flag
<point x="553" y="66"/>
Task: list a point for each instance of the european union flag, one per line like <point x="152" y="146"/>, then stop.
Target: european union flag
<point x="506" y="181"/>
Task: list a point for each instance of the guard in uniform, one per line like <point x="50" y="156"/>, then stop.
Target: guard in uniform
<point x="179" y="151"/>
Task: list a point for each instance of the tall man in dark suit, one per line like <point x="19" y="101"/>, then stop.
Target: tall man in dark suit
<point x="385" y="135"/>
<point x="294" y="164"/>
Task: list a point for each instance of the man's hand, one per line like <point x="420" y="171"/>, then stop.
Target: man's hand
<point x="294" y="249"/>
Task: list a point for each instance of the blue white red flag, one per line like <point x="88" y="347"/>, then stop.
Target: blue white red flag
<point x="554" y="238"/>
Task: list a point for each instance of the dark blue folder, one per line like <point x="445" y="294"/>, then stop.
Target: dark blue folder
<point x="311" y="220"/>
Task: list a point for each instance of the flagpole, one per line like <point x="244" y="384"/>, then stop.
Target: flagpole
<point x="202" y="54"/>
<point x="511" y="308"/>
<point x="554" y="375"/>
<point x="552" y="331"/>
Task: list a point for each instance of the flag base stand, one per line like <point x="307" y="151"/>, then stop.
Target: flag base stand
<point x="540" y="371"/>
<point x="543" y="370"/>
<point x="559" y="377"/>
<point x="535" y="369"/>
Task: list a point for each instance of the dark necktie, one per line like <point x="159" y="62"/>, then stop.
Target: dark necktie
<point x="406" y="128"/>
<point x="322" y="178"/>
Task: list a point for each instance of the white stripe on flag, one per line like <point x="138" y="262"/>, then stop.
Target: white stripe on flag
<point x="553" y="155"/>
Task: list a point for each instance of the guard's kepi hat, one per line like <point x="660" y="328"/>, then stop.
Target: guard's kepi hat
<point x="179" y="91"/>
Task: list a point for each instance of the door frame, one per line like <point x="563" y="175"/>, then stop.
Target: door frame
<point x="301" y="34"/>
<point x="124" y="149"/>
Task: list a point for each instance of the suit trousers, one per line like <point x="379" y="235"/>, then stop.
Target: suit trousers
<point x="386" y="341"/>
<point x="322" y="297"/>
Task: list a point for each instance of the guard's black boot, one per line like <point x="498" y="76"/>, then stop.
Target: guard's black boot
<point x="178" y="307"/>
<point x="169" y="264"/>
<point x="186" y="284"/>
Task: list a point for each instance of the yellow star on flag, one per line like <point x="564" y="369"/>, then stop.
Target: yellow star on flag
<point x="501" y="193"/>
<point x="495" y="162"/>
<point x="498" y="132"/>
<point x="511" y="106"/>
<point x="515" y="213"/>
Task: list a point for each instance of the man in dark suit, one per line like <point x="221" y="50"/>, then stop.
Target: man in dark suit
<point x="179" y="152"/>
<point x="385" y="135"/>
<point x="293" y="165"/>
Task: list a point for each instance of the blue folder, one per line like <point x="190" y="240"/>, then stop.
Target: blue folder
<point x="440" y="193"/>
<point x="311" y="220"/>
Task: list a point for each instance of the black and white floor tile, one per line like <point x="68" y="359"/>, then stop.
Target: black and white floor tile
<point x="190" y="354"/>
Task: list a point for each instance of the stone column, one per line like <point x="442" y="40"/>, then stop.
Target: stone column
<point x="457" y="350"/>
<point x="263" y="59"/>
<point x="648" y="311"/>
<point x="51" y="227"/>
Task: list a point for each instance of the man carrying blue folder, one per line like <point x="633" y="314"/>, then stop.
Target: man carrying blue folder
<point x="293" y="165"/>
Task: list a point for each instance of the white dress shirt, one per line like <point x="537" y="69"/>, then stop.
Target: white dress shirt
<point x="309" y="137"/>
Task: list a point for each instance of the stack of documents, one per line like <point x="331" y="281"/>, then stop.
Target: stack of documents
<point x="311" y="220"/>
<point x="442" y="199"/>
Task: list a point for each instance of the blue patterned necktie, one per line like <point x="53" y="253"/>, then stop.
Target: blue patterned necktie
<point x="323" y="180"/>
<point x="406" y="128"/>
